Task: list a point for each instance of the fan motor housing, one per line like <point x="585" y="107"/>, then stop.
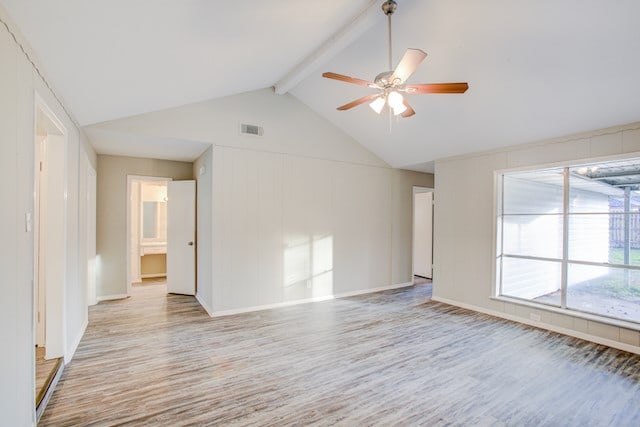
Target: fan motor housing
<point x="389" y="6"/>
<point x="383" y="81"/>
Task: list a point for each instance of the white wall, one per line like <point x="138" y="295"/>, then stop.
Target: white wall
<point x="301" y="212"/>
<point x="18" y="85"/>
<point x="464" y="217"/>
<point x="289" y="127"/>
<point x="289" y="228"/>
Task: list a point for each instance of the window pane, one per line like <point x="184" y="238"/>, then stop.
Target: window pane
<point x="534" y="192"/>
<point x="591" y="196"/>
<point x="613" y="292"/>
<point x="533" y="235"/>
<point x="531" y="279"/>
<point x="600" y="238"/>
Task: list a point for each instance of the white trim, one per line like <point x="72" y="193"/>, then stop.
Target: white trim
<point x="619" y="323"/>
<point x="69" y="355"/>
<point x="560" y="139"/>
<point x="204" y="305"/>
<point x="131" y="178"/>
<point x="40" y="103"/>
<point x="306" y="300"/>
<point x="111" y="297"/>
<point x="570" y="163"/>
<point x="588" y="337"/>
<point x="55" y="292"/>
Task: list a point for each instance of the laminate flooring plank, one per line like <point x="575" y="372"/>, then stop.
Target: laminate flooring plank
<point x="45" y="371"/>
<point x="389" y="358"/>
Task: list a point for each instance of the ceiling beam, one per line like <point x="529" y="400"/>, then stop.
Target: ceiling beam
<point x="346" y="35"/>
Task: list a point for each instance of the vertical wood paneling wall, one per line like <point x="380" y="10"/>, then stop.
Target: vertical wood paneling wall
<point x="19" y="84"/>
<point x="288" y="228"/>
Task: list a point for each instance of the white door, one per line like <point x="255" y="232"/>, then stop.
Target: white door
<point x="181" y="235"/>
<point x="91" y="235"/>
<point x="422" y="234"/>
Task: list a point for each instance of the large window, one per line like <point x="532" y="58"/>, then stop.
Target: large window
<point x="570" y="238"/>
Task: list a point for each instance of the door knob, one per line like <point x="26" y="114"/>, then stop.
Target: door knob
<point x="190" y="243"/>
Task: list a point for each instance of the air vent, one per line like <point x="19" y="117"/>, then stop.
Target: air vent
<point x="251" y="129"/>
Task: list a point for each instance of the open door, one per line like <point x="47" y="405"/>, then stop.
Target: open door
<point x="181" y="235"/>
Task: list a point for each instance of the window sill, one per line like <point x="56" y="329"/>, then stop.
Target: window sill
<point x="572" y="313"/>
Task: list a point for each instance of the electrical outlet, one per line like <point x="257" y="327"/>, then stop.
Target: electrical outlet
<point x="535" y="317"/>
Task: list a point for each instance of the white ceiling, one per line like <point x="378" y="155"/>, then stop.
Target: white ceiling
<point x="117" y="58"/>
<point x="536" y="68"/>
<point x="122" y="143"/>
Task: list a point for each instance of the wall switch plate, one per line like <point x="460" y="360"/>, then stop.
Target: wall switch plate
<point x="27" y="222"/>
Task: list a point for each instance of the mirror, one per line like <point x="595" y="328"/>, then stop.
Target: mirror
<point x="154" y="221"/>
<point x="149" y="220"/>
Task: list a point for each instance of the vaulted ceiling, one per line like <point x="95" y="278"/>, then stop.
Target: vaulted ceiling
<point x="536" y="68"/>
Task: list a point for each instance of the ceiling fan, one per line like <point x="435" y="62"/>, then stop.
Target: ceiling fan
<point x="390" y="84"/>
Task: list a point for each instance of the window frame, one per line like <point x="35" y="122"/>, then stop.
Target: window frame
<point x="498" y="246"/>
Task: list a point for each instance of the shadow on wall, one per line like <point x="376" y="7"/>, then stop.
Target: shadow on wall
<point x="308" y="267"/>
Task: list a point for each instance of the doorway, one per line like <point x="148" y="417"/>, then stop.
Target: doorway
<point x="147" y="231"/>
<point x="161" y="234"/>
<point x="49" y="274"/>
<point x="422" y="233"/>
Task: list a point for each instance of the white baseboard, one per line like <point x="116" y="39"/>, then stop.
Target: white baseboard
<point x="549" y="327"/>
<point x="76" y="342"/>
<point x="204" y="305"/>
<point x="304" y="301"/>
<point x="111" y="297"/>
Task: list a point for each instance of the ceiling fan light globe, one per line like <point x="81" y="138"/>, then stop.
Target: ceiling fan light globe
<point x="377" y="104"/>
<point x="399" y="110"/>
<point x="395" y="100"/>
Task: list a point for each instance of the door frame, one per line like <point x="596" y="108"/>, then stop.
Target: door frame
<point x="415" y="190"/>
<point x="45" y="120"/>
<point x="91" y="222"/>
<point x="131" y="179"/>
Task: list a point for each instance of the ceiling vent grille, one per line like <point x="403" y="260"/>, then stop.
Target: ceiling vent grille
<point x="254" y="130"/>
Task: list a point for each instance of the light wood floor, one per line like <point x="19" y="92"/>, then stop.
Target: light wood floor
<point x="45" y="371"/>
<point x="391" y="358"/>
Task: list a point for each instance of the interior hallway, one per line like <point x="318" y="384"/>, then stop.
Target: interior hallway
<point x="387" y="358"/>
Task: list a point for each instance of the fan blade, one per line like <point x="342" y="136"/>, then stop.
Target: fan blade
<point x="348" y="79"/>
<point x="408" y="64"/>
<point x="438" y="88"/>
<point x="358" y="102"/>
<point x="409" y="111"/>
